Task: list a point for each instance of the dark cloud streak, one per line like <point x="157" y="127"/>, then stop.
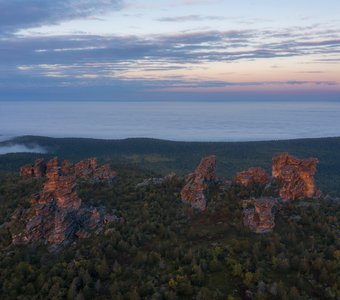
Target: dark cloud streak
<point x="18" y="14"/>
<point x="89" y="60"/>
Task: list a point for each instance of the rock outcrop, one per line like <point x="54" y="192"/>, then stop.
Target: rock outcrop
<point x="261" y="217"/>
<point x="89" y="169"/>
<point x="252" y="176"/>
<point x="38" y="169"/>
<point x="194" y="191"/>
<point x="56" y="215"/>
<point x="84" y="169"/>
<point x="295" y="176"/>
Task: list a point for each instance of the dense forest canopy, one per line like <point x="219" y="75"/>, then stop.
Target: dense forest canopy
<point x="164" y="249"/>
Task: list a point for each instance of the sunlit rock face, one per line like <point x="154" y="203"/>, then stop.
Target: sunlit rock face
<point x="194" y="191"/>
<point x="260" y="218"/>
<point x="38" y="169"/>
<point x="56" y="215"/>
<point x="295" y="176"/>
<point x="84" y="169"/>
<point x="252" y="176"/>
<point x="89" y="169"/>
<point x="66" y="167"/>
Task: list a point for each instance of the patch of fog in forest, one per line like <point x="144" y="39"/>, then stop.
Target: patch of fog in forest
<point x="17" y="148"/>
<point x="181" y="121"/>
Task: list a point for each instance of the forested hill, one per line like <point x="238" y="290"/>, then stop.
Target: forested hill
<point x="165" y="156"/>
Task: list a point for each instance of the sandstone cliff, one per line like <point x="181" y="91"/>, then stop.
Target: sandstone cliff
<point x="194" y="191"/>
<point x="84" y="169"/>
<point x="295" y="176"/>
<point x="37" y="169"/>
<point x="56" y="215"/>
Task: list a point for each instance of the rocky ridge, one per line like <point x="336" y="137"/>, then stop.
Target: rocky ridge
<point x="56" y="215"/>
<point x="294" y="178"/>
<point x="84" y="169"/>
<point x="38" y="169"/>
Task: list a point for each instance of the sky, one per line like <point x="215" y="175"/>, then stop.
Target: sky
<point x="169" y="49"/>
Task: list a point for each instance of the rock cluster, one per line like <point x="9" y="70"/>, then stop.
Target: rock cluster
<point x="261" y="218"/>
<point x="37" y="169"/>
<point x="295" y="176"/>
<point x="252" y="176"/>
<point x="295" y="180"/>
<point x="85" y="169"/>
<point x="194" y="191"/>
<point x="56" y="214"/>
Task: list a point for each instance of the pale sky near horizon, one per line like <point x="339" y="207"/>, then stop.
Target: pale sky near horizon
<point x="179" y="49"/>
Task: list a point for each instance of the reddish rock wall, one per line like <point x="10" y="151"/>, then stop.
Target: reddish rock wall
<point x="197" y="183"/>
<point x="295" y="176"/>
<point x="38" y="169"/>
<point x="55" y="214"/>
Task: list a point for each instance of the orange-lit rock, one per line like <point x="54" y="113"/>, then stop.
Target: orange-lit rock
<point x="295" y="176"/>
<point x="252" y="176"/>
<point x="260" y="218"/>
<point x="52" y="174"/>
<point x="88" y="169"/>
<point x="61" y="188"/>
<point x="38" y="169"/>
<point x="85" y="168"/>
<point x="26" y="171"/>
<point x="194" y="191"/>
<point x="67" y="168"/>
<point x="56" y="215"/>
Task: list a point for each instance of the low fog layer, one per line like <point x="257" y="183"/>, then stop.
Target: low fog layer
<point x="15" y="148"/>
<point x="181" y="121"/>
<point x="5" y="138"/>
